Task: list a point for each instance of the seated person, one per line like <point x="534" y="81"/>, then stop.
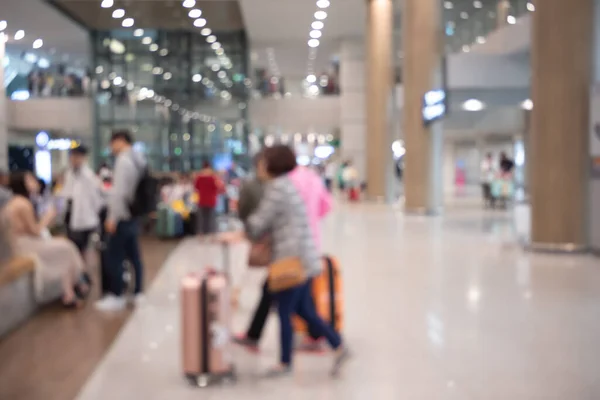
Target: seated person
<point x="57" y="257"/>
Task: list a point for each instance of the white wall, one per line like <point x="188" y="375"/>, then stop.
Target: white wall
<point x="469" y="70"/>
<point x="296" y="114"/>
<point x="60" y="114"/>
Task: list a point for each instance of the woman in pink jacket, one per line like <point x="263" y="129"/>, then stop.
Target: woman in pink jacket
<point x="317" y="201"/>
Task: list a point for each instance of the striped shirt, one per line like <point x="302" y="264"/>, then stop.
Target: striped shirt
<point x="282" y="213"/>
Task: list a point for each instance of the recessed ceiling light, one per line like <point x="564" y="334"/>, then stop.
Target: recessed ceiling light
<point x="320" y="15"/>
<point x="311" y="79"/>
<point x="511" y="19"/>
<point x="315" y="34"/>
<point x="163" y="52"/>
<point x="473" y="105"/>
<point x="157" y="70"/>
<point x="197" y="78"/>
<point x="99" y="69"/>
<point x="314" y="43"/>
<point x="195" y="13"/>
<point x="205" y="31"/>
<point x="127" y="22"/>
<point x="464" y="15"/>
<point x="477" y="4"/>
<point x="167" y="76"/>
<point x="222" y="74"/>
<point x="107" y="3"/>
<point x="118" y="13"/>
<point x="153" y="47"/>
<point x="480" y="39"/>
<point x="200" y="22"/>
<point x="138" y="32"/>
<point x="215" y="45"/>
<point x="37" y="43"/>
<point x="220" y="52"/>
<point x="211" y="39"/>
<point x="323" y="3"/>
<point x="118" y="80"/>
<point x="448" y="5"/>
<point x="189" y="3"/>
<point x="527" y="104"/>
<point x="147" y="40"/>
<point x="20" y="34"/>
<point x="317" y="25"/>
<point x="215" y="67"/>
<point x="3" y="25"/>
<point x="531" y="7"/>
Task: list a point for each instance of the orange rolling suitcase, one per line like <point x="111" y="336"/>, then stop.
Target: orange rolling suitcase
<point x="206" y="316"/>
<point x="327" y="295"/>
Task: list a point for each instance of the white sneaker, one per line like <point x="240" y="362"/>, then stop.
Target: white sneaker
<point x="110" y="302"/>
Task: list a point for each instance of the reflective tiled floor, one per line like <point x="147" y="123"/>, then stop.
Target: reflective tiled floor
<point x="437" y="308"/>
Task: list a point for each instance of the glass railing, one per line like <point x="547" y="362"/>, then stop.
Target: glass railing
<point x="468" y="26"/>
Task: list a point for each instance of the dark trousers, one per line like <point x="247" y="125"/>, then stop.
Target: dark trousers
<point x="207" y="220"/>
<point x="298" y="301"/>
<point x="123" y="245"/>
<point x="81" y="239"/>
<point x="262" y="312"/>
<point x="329" y="184"/>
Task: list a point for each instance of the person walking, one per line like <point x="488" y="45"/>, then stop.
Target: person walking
<point x="487" y="177"/>
<point x="283" y="214"/>
<point x="208" y="187"/>
<point x="121" y="226"/>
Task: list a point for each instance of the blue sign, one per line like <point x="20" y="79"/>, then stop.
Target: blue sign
<point x="434" y="105"/>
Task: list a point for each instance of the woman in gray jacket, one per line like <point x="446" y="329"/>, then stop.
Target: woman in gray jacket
<point x="282" y="214"/>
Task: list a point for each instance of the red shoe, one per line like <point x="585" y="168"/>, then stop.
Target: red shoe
<point x="310" y="345"/>
<point x="243" y="340"/>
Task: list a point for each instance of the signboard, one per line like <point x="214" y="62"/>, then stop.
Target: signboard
<point x="434" y="106"/>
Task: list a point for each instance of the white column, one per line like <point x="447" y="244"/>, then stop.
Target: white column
<point x="353" y="121"/>
<point x="3" y="105"/>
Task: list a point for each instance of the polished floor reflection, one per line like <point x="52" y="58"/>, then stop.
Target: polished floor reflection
<point x="437" y="308"/>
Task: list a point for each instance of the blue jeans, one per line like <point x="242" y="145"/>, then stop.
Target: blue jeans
<point x="299" y="301"/>
<point x="123" y="245"/>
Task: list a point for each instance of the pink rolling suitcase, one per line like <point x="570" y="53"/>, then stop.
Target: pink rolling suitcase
<point x="206" y="331"/>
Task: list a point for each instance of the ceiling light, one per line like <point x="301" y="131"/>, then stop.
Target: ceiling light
<point x="153" y="47"/>
<point x="473" y="105"/>
<point x="118" y="80"/>
<point x="157" y="70"/>
<point x="477" y="4"/>
<point x="323" y="3"/>
<point x="167" y="76"/>
<point x="311" y="79"/>
<point x="147" y="40"/>
<point x="466" y="48"/>
<point x="99" y="69"/>
<point x="205" y="31"/>
<point x="20" y="34"/>
<point x="215" y="67"/>
<point x="527" y="104"/>
<point x="531" y="7"/>
<point x="448" y="5"/>
<point x="317" y="25"/>
<point x="138" y="32"/>
<point x="215" y="45"/>
<point x="315" y="34"/>
<point x="163" y="52"/>
<point x="313" y="43"/>
<point x="511" y="19"/>
<point x="3" y="25"/>
<point x="200" y="22"/>
<point x="107" y="3"/>
<point x="43" y="63"/>
<point x="480" y="39"/>
<point x="189" y="3"/>
<point x="222" y="74"/>
<point x="30" y="58"/>
<point x="211" y="39"/>
<point x="320" y="15"/>
<point x="464" y="15"/>
<point x="37" y="43"/>
<point x="127" y="22"/>
<point x="197" y="78"/>
<point x="130" y="86"/>
<point x="195" y="13"/>
<point x="219" y="52"/>
<point x="118" y="13"/>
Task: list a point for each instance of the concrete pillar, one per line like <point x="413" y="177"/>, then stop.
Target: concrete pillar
<point x="561" y="62"/>
<point x="3" y="105"/>
<point x="379" y="96"/>
<point x="423" y="44"/>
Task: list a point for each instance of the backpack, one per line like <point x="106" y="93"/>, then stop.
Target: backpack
<point x="145" y="198"/>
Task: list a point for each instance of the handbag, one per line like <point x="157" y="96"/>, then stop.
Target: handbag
<point x="285" y="274"/>
<point x="260" y="253"/>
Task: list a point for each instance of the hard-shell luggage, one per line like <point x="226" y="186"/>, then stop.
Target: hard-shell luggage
<point x="327" y="295"/>
<point x="169" y="224"/>
<point x="206" y="315"/>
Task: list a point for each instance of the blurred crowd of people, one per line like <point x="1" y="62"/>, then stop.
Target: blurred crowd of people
<point x="497" y="180"/>
<point x="48" y="83"/>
